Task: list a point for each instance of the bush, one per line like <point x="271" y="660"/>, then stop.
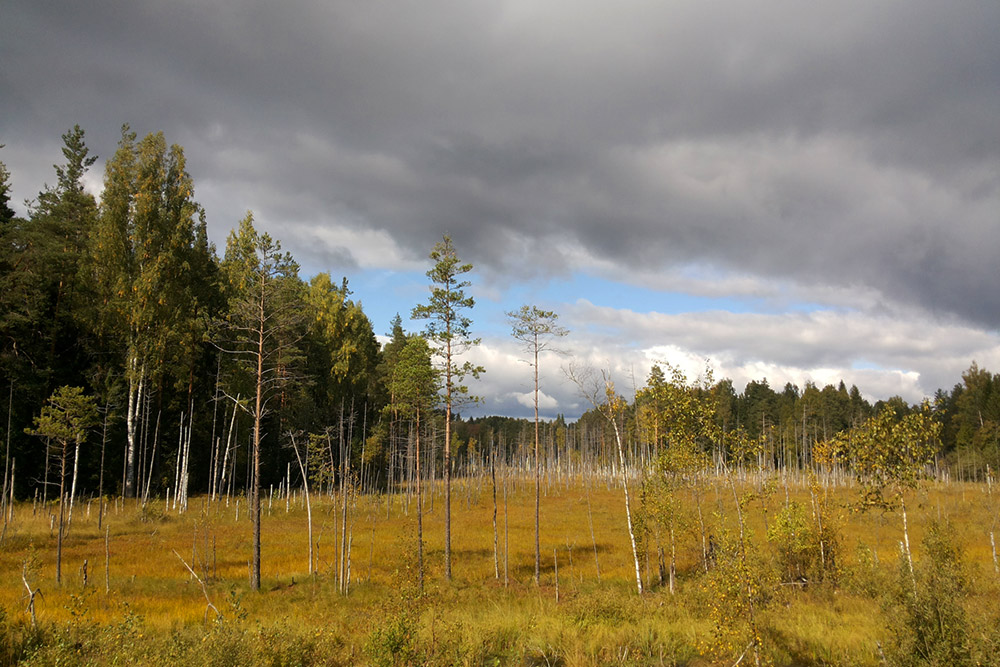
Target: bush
<point x="927" y="619"/>
<point x="738" y="588"/>
<point x="866" y="577"/>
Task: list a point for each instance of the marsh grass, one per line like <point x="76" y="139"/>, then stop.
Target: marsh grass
<point x="156" y="612"/>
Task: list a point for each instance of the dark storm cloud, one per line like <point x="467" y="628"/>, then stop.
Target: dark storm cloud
<point x="843" y="144"/>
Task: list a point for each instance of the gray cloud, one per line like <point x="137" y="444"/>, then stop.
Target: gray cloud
<point x="845" y="146"/>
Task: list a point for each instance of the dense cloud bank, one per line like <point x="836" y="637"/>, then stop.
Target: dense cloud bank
<point x="845" y="155"/>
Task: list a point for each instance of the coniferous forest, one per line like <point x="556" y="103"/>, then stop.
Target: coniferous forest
<point x="209" y="458"/>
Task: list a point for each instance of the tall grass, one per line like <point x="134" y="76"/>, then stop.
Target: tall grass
<point x="154" y="610"/>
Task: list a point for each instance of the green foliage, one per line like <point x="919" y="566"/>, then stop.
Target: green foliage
<point x="866" y="577"/>
<point x="18" y="640"/>
<point x="342" y="352"/>
<point x="928" y="623"/>
<point x="448" y="328"/>
<point x="413" y="382"/>
<point x="6" y="212"/>
<point x="66" y="416"/>
<point x="796" y="539"/>
<point x="44" y="301"/>
<point x="678" y="417"/>
<point x="153" y="274"/>
<point x="263" y="325"/>
<point x="150" y="255"/>
<point x="736" y="589"/>
<point x="889" y="454"/>
<point x="394" y="640"/>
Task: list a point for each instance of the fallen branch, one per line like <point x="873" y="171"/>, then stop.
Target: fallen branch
<point x="31" y="595"/>
<point x="218" y="614"/>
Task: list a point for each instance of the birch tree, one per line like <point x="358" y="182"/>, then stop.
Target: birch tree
<point x="890" y="455"/>
<point x="140" y="261"/>
<point x="601" y="394"/>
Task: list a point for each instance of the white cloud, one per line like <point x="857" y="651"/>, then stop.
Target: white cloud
<point x="882" y="355"/>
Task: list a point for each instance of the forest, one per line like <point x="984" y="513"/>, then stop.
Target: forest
<point x="235" y="434"/>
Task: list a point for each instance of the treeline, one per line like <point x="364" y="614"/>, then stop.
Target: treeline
<point x="128" y="299"/>
<point x="195" y="360"/>
<point x="789" y="423"/>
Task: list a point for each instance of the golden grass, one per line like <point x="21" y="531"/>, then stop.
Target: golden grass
<point x="474" y="619"/>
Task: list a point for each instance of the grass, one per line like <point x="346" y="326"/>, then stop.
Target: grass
<point x="154" y="610"/>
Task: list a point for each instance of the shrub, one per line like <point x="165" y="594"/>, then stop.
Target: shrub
<point x="927" y="620"/>
<point x="739" y="587"/>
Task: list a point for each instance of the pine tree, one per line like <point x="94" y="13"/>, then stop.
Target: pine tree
<point x="263" y="327"/>
<point x="534" y="328"/>
<point x="449" y="330"/>
<point x="6" y="212"/>
<point x="65" y="418"/>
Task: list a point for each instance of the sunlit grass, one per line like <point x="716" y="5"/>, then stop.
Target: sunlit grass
<point x="474" y="618"/>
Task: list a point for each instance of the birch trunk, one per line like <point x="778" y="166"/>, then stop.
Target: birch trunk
<point x="72" y="487"/>
<point x="628" y="504"/>
<point x="136" y="384"/>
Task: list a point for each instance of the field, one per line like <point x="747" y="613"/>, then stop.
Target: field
<point x="140" y="603"/>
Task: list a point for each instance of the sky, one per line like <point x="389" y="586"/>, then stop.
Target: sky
<point x="802" y="192"/>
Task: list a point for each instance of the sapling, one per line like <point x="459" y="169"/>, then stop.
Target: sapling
<point x="890" y="456"/>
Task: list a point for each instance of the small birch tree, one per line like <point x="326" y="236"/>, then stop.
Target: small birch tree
<point x="602" y="396"/>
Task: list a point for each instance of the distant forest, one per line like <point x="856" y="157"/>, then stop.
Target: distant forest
<point x="176" y="349"/>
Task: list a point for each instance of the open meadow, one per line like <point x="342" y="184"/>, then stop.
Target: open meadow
<point x="128" y="597"/>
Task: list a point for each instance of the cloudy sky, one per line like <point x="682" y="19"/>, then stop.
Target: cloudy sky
<point x="797" y="191"/>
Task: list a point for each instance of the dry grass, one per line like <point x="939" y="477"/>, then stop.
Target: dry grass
<point x="474" y="619"/>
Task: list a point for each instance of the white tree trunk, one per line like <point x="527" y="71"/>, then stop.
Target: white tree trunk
<point x="309" y="521"/>
<point x="72" y="486"/>
<point x="136" y="384"/>
<point x="628" y="505"/>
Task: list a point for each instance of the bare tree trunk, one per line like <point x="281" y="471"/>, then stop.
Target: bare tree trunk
<point x="305" y="486"/>
<point x="257" y="416"/>
<point x="8" y="481"/>
<point x="177" y="464"/>
<point x="420" y="512"/>
<point x="496" y="535"/>
<point x="906" y="541"/>
<point x="62" y="509"/>
<point x="538" y="479"/>
<point x="506" y="534"/>
<point x="342" y="572"/>
<point x="593" y="537"/>
<point x="9" y="516"/>
<point x="673" y="556"/>
<point x="107" y="559"/>
<point x="447" y="466"/>
<point x="100" y="482"/>
<point x="555" y="565"/>
<point x="225" y="458"/>
<point x="993" y="548"/>
<point x="72" y="486"/>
